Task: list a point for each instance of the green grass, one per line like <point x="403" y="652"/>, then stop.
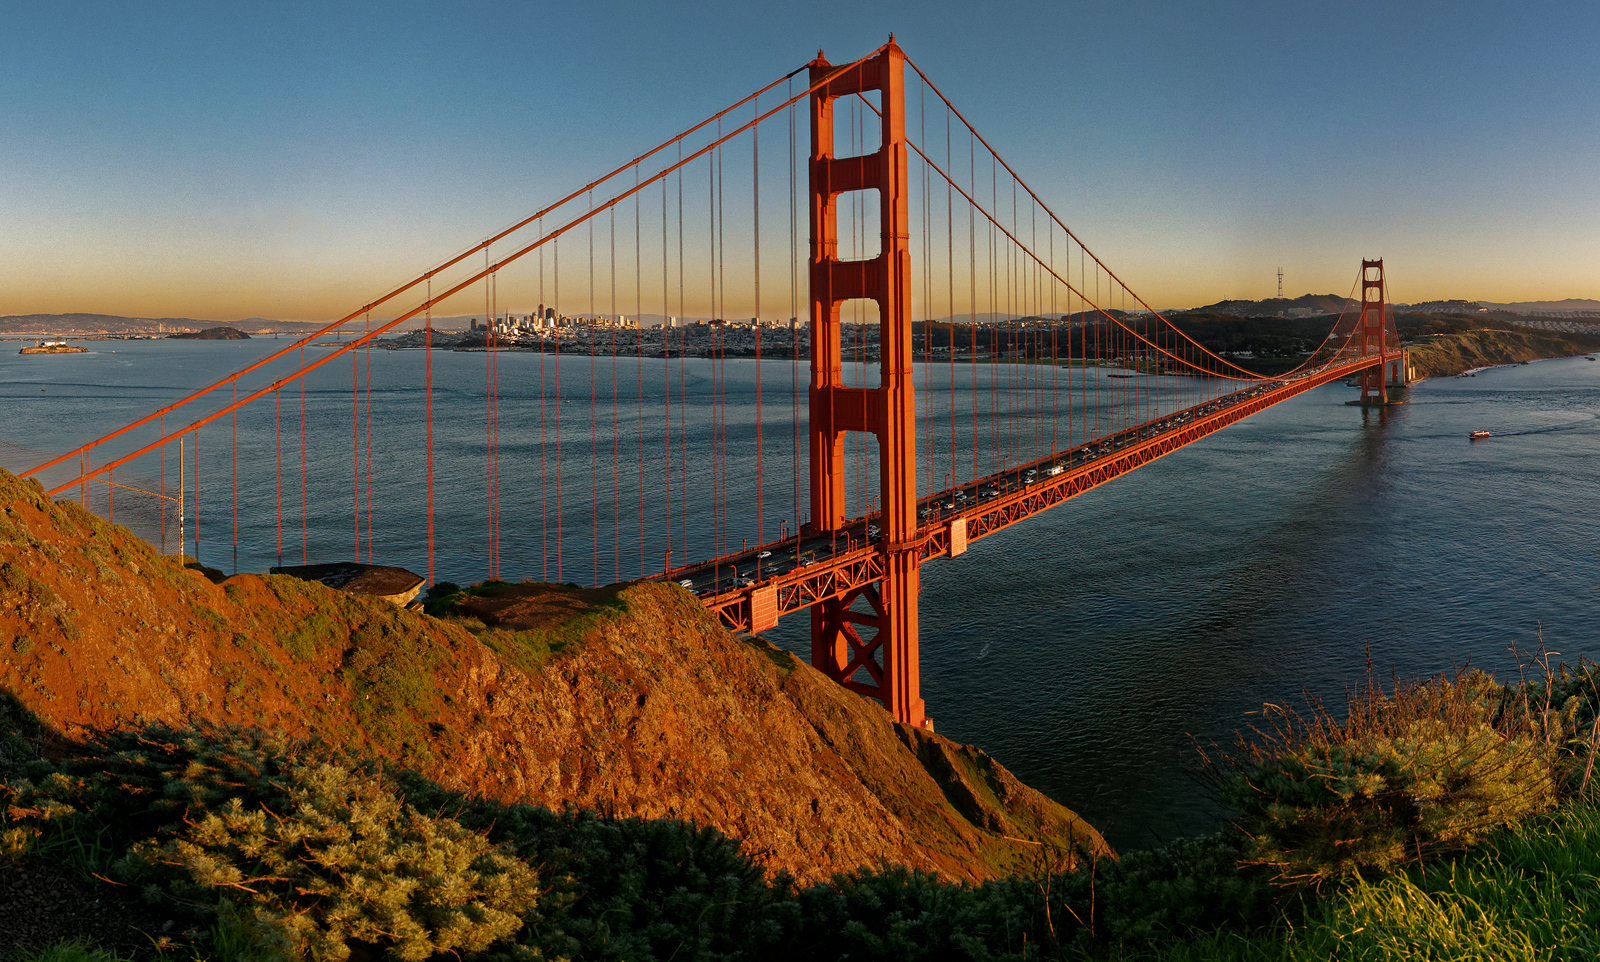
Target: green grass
<point x="67" y="952"/>
<point x="528" y="649"/>
<point x="1528" y="893"/>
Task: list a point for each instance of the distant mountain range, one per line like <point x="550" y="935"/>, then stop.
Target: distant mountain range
<point x="116" y="324"/>
<point x="1570" y="305"/>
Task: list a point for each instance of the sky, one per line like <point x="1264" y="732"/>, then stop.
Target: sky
<point x="287" y="161"/>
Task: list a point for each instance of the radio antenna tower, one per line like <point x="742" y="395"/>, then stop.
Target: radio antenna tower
<point x="1280" y="282"/>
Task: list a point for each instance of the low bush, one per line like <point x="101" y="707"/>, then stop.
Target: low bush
<point x="630" y="889"/>
<point x="1426" y="770"/>
<point x="318" y="854"/>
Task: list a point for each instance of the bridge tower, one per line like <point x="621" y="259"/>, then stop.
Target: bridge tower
<point x="888" y="411"/>
<point x="1374" y="328"/>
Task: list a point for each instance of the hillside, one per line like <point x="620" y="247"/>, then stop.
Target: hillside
<point x="213" y="334"/>
<point x="634" y="701"/>
<point x="117" y="324"/>
<point x="1447" y="355"/>
<point x="1304" y="305"/>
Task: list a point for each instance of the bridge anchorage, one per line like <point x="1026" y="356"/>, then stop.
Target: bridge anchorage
<point x="1035" y="374"/>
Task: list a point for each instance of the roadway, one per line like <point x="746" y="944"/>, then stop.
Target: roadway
<point x="750" y="589"/>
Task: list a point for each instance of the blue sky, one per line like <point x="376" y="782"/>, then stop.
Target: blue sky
<point x="285" y="160"/>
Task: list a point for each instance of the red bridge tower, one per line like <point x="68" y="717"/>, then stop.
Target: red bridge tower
<point x="888" y="411"/>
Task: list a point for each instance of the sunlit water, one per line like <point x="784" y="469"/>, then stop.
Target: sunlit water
<point x="1082" y="648"/>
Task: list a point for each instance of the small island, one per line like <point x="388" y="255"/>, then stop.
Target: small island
<point x="213" y="334"/>
<point x="53" y="347"/>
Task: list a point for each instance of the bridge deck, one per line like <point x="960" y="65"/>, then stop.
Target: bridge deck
<point x="752" y="589"/>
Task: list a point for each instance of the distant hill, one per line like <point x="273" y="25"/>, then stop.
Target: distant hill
<point x="1572" y="305"/>
<point x="1455" y="306"/>
<point x="214" y="334"/>
<point x="1306" y="305"/>
<point x="116" y="324"/>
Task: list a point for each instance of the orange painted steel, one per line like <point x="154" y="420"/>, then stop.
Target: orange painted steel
<point x="888" y="412"/>
<point x="1374" y="383"/>
<point x="850" y="573"/>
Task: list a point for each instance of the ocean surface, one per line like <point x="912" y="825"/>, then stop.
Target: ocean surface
<point x="1087" y="649"/>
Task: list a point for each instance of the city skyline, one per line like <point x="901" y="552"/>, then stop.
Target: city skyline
<point x="291" y="161"/>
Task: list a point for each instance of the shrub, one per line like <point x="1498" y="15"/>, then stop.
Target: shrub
<point x="630" y="889"/>
<point x="1172" y="890"/>
<point x="1425" y="771"/>
<point x="319" y="853"/>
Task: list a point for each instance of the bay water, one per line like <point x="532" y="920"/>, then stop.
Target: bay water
<point x="1086" y="649"/>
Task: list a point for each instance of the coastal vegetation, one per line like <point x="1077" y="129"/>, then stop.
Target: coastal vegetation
<point x="1445" y="818"/>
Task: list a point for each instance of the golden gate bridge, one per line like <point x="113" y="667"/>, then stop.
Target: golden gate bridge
<point x="1034" y="374"/>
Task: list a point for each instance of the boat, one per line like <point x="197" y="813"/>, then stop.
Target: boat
<point x="53" y="347"/>
<point x="1480" y="434"/>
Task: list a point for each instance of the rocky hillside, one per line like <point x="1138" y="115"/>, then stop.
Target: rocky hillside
<point x="631" y="701"/>
<point x="1449" y="354"/>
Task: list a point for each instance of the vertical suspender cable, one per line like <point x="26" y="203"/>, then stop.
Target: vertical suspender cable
<point x="794" y="336"/>
<point x="196" y="496"/>
<point x="277" y="449"/>
<point x="666" y="377"/>
<point x="368" y="351"/>
<point x="616" y="494"/>
<point x="594" y="416"/>
<point x="427" y="392"/>
<point x="305" y="528"/>
<point x="355" y="445"/>
<point x="683" y="389"/>
<point x="162" y="456"/>
<point x="544" y="437"/>
<point x="638" y="343"/>
<point x="755" y="190"/>
<point x="235" y="484"/>
<point x="489" y="310"/>
<point x="555" y="277"/>
<point x="950" y="299"/>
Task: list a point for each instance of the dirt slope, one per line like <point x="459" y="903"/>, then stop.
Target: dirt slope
<point x="1450" y="354"/>
<point x="634" y="702"/>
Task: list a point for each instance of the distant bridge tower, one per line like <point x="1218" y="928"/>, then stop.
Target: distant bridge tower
<point x="1280" y="283"/>
<point x="1374" y="327"/>
<point x="888" y="411"/>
